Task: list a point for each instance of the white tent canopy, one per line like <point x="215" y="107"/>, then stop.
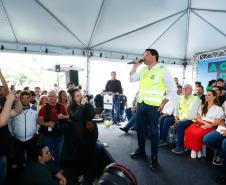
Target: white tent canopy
<point x="178" y="29"/>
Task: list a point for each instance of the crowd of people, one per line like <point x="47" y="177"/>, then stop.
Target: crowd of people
<point x="39" y="128"/>
<point x="162" y="104"/>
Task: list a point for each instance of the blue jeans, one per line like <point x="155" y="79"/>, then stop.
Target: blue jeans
<point x="164" y="123"/>
<point x="215" y="140"/>
<point x="180" y="130"/>
<point x="122" y="110"/>
<point x="55" y="145"/>
<point x="3" y="168"/>
<point x="116" y="109"/>
<point x="147" y="116"/>
<point x="129" y="113"/>
<point x="131" y="122"/>
<point x="223" y="146"/>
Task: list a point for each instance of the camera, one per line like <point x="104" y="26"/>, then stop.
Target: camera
<point x="117" y="174"/>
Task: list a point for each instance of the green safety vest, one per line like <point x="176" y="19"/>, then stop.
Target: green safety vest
<point x="152" y="86"/>
<point x="185" y="106"/>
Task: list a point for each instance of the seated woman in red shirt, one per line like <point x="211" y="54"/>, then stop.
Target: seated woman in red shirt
<point x="208" y="117"/>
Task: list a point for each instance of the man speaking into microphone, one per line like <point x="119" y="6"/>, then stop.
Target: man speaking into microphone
<point x="155" y="81"/>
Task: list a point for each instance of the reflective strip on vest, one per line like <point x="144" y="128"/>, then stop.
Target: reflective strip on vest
<point x="153" y="92"/>
<point x="152" y="99"/>
<point x="152" y="88"/>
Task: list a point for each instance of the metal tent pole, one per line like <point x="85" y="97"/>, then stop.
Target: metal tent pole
<point x="87" y="71"/>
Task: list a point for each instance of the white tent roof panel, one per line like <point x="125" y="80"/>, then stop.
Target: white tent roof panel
<point x="114" y="25"/>
<point x="78" y="15"/>
<point x="209" y="4"/>
<point x="215" y="18"/>
<point x="138" y="41"/>
<point x="37" y="26"/>
<point x="203" y="37"/>
<point x="5" y="29"/>
<point x="173" y="43"/>
<point x="120" y="17"/>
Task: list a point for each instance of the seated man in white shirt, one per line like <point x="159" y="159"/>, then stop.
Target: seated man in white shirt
<point x="166" y="120"/>
<point x="185" y="113"/>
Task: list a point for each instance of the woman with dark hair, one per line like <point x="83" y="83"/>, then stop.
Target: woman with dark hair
<point x="63" y="99"/>
<point x="84" y="132"/>
<point x="208" y="117"/>
<point x="67" y="147"/>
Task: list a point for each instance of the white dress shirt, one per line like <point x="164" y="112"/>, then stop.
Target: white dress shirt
<point x="169" y="107"/>
<point x="194" y="107"/>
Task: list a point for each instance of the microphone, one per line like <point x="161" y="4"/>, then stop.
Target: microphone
<point x="134" y="62"/>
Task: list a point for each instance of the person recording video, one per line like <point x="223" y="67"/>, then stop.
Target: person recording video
<point x="84" y="134"/>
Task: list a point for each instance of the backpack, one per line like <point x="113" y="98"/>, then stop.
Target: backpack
<point x="60" y="126"/>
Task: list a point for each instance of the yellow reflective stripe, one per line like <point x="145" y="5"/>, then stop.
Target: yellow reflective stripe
<point x="153" y="95"/>
<point x="152" y="99"/>
<point x="139" y="99"/>
<point x="151" y="92"/>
